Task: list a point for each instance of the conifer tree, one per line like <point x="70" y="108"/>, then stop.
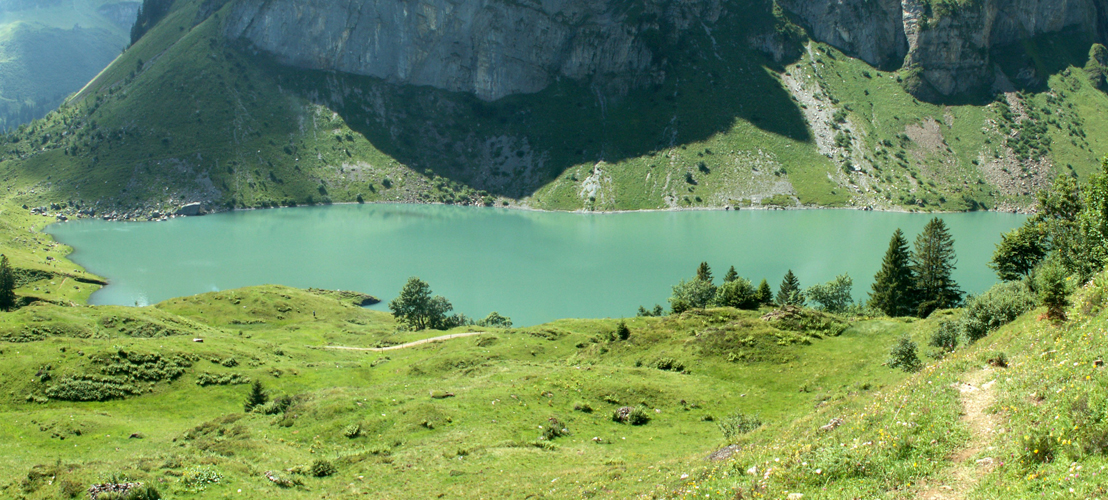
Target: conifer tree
<point x="764" y="295"/>
<point x="892" y="286"/>
<point x="7" y="284"/>
<point x="790" y="294"/>
<point x="704" y="273"/>
<point x="731" y="275"/>
<point x="256" y="398"/>
<point x="932" y="263"/>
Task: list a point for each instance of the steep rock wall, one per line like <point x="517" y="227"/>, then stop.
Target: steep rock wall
<point x="491" y="48"/>
<point x="950" y="49"/>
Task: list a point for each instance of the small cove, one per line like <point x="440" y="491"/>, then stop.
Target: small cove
<point x="532" y="266"/>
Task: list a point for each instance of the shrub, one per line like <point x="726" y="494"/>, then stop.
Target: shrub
<point x="833" y="296"/>
<point x="669" y="364"/>
<point x="1050" y="281"/>
<point x="91" y="388"/>
<point x="693" y="294"/>
<point x="275" y="407"/>
<point x="553" y="429"/>
<point x="738" y="423"/>
<point x="323" y="468"/>
<point x="230" y="362"/>
<point x="199" y="477"/>
<point x="582" y="407"/>
<point x="352" y="431"/>
<point x="630" y="415"/>
<point x="995" y="308"/>
<point x="946" y="337"/>
<point x="737" y="293"/>
<point x="903" y="355"/>
<point x="495" y="320"/>
<point x="622" y="331"/>
<point x="205" y="379"/>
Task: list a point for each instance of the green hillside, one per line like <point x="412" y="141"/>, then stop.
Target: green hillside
<point x="187" y="116"/>
<point x="49" y="50"/>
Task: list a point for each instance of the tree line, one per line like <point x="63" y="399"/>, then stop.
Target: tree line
<point x="909" y="283"/>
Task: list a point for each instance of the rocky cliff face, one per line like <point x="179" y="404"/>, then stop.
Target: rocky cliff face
<point x="950" y="48"/>
<point x="491" y="48"/>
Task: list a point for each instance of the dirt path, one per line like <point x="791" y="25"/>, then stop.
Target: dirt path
<point x="963" y="474"/>
<point x="409" y="344"/>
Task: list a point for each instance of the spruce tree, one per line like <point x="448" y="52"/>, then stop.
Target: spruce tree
<point x="704" y="273"/>
<point x="789" y="294"/>
<point x="892" y="286"/>
<point x="7" y="285"/>
<point x="256" y="398"/>
<point x="731" y="275"/>
<point x="764" y="295"/>
<point x="932" y="263"/>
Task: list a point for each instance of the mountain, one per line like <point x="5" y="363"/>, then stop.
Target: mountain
<point x="50" y="49"/>
<point x="574" y="104"/>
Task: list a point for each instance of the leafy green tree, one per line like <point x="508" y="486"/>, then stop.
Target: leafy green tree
<point x="1051" y="283"/>
<point x="693" y="294"/>
<point x="932" y="263"/>
<point x="737" y="293"/>
<point x="1018" y="252"/>
<point x="1091" y="253"/>
<point x="892" y="286"/>
<point x="419" y="310"/>
<point x="764" y="295"/>
<point x="256" y="398"/>
<point x="789" y="294"/>
<point x="731" y="275"/>
<point x="833" y="296"/>
<point x="7" y="284"/>
<point x="704" y="273"/>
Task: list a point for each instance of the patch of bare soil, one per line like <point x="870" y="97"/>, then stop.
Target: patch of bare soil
<point x="965" y="471"/>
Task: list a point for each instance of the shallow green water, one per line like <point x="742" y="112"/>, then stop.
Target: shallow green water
<point x="531" y="266"/>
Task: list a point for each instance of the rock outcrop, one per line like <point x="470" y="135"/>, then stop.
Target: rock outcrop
<point x="490" y="48"/>
<point x="948" y="47"/>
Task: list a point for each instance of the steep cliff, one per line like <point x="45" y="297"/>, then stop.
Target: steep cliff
<point x="491" y="48"/>
<point x="949" y="44"/>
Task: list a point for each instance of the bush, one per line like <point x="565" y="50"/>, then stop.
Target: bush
<point x="352" y="431"/>
<point x="694" y="294"/>
<point x="903" y="355"/>
<point x="553" y="429"/>
<point x="91" y="388"/>
<point x="582" y="407"/>
<point x="630" y="415"/>
<point x="199" y="477"/>
<point x="323" y="468"/>
<point x="833" y="296"/>
<point x="737" y="424"/>
<point x="946" y="337"/>
<point x="669" y="364"/>
<point x="737" y="293"/>
<point x="622" y="331"/>
<point x="205" y="379"/>
<point x="495" y="320"/>
<point x="995" y="308"/>
<point x="1050" y="281"/>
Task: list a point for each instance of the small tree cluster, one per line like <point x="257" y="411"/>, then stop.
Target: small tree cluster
<point x="833" y="296"/>
<point x="919" y="282"/>
<point x="700" y="292"/>
<point x="419" y="310"/>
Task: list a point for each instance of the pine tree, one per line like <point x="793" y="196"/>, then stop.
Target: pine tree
<point x="704" y="273"/>
<point x="789" y="294"/>
<point x="7" y="285"/>
<point x="932" y="263"/>
<point x="731" y="275"/>
<point x="764" y="295"/>
<point x="892" y="286"/>
<point x="256" y="398"/>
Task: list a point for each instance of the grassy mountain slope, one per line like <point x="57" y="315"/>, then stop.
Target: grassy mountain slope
<point x="507" y="385"/>
<point x="49" y="50"/>
<point x="186" y="115"/>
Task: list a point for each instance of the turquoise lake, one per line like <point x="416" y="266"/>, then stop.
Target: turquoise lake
<point x="532" y="266"/>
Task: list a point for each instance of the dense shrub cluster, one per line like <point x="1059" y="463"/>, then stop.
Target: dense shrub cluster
<point x="205" y="379"/>
<point x="983" y="314"/>
<point x="737" y="424"/>
<point x="91" y="388"/>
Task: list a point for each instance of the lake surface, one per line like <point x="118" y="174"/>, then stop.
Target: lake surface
<point x="532" y="266"/>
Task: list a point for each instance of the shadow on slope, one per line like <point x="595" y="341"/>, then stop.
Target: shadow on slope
<point x="512" y="146"/>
